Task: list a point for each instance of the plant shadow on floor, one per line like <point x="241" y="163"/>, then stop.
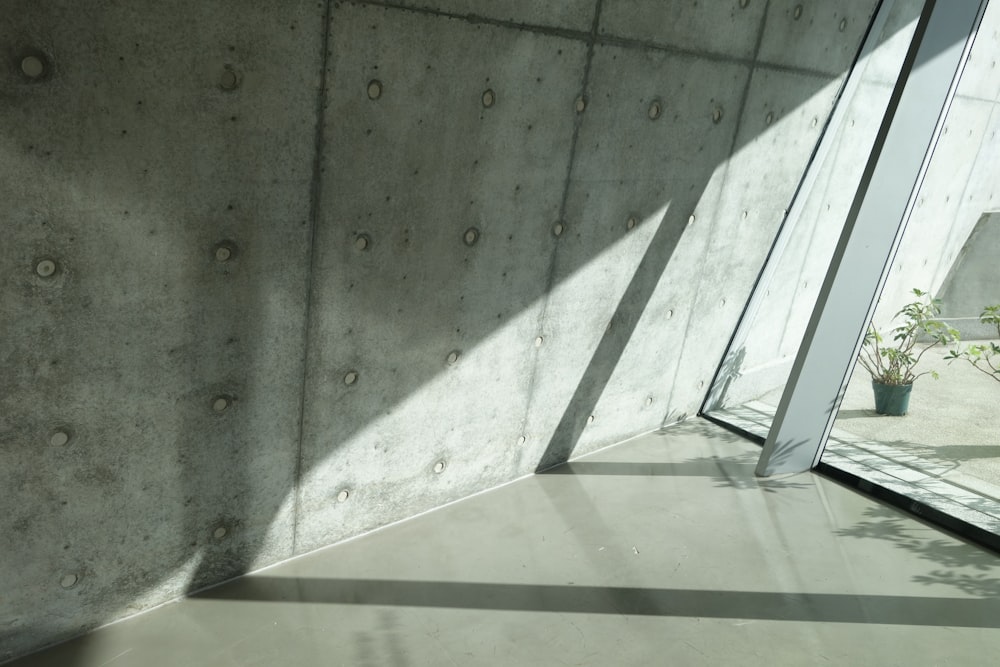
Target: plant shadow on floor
<point x="952" y="453"/>
<point x="964" y="567"/>
<point x="937" y="462"/>
<point x="737" y="472"/>
<point x="856" y="414"/>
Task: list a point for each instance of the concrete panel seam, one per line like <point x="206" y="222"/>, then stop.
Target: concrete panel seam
<point x="315" y="189"/>
<point x="594" y="38"/>
<point x="974" y="98"/>
<point x="756" y="66"/>
<point x="557" y="230"/>
<point x="477" y="19"/>
<point x="643" y="45"/>
<point x="744" y="96"/>
<point x="578" y="120"/>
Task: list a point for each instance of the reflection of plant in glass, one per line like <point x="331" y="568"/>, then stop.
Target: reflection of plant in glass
<point x="986" y="357"/>
<point x="894" y="364"/>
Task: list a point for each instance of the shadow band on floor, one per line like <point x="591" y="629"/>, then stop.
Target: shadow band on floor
<point x="809" y="607"/>
<point x="705" y="468"/>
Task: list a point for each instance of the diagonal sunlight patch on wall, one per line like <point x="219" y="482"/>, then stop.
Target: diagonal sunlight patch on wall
<point x="374" y="462"/>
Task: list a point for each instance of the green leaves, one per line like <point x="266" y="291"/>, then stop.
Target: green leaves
<point x="895" y="364"/>
<point x="991" y="315"/>
<point x="983" y="357"/>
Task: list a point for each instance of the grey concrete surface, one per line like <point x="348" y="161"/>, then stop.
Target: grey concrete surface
<point x="414" y="171"/>
<point x="664" y="549"/>
<point x="971" y="284"/>
<point x="821" y="36"/>
<point x="575" y="15"/>
<point x="723" y="28"/>
<point x="128" y="163"/>
<point x="357" y="251"/>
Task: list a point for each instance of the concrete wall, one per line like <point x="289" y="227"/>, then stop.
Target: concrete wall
<point x="279" y="274"/>
<point x="972" y="283"/>
<point x="961" y="183"/>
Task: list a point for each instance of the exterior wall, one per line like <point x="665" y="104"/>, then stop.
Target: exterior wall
<point x="971" y="284"/>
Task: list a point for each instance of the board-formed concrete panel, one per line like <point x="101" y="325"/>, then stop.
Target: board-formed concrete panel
<point x="883" y="66"/>
<point x="724" y="27"/>
<point x="820" y="35"/>
<point x="442" y="181"/>
<point x="782" y="121"/>
<point x="154" y="172"/>
<point x="566" y="14"/>
<point x="654" y="168"/>
<point x="981" y="76"/>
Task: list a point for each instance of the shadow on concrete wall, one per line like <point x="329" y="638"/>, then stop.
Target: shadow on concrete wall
<point x="177" y="489"/>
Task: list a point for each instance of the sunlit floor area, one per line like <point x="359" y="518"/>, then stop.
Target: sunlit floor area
<point x="944" y="453"/>
<point x="662" y="550"/>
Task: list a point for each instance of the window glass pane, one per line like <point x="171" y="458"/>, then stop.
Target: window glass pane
<point x="758" y="364"/>
<point x="945" y="450"/>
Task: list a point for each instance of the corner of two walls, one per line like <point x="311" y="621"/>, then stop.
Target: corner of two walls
<point x="526" y="235"/>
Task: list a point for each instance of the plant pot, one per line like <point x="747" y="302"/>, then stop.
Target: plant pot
<point x="891" y="399"/>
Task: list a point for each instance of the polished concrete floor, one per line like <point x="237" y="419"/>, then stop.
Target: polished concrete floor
<point x="944" y="453"/>
<point x="664" y="550"/>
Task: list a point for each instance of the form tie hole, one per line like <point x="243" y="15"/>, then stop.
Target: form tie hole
<point x="45" y="268"/>
<point x="32" y="67"/>
<point x="229" y="80"/>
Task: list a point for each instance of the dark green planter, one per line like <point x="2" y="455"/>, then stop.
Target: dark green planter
<point x="891" y="399"/>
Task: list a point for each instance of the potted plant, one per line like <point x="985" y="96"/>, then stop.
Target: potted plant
<point x="985" y="357"/>
<point x="892" y="364"/>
